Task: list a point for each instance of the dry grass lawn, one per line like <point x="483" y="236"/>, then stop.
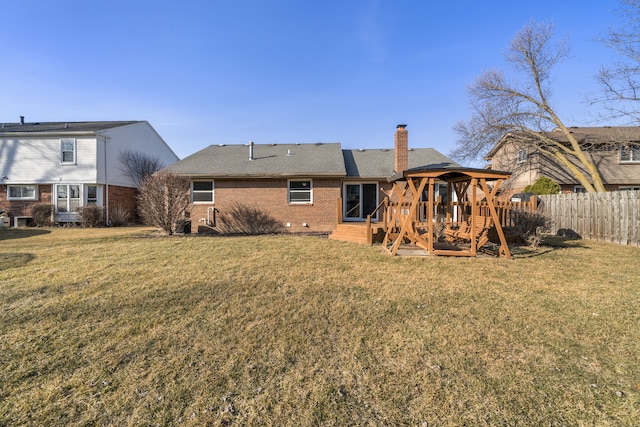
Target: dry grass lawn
<point x="121" y="327"/>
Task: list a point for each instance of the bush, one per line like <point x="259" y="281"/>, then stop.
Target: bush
<point x="91" y="216"/>
<point x="119" y="215"/>
<point x="245" y="219"/>
<point x="543" y="185"/>
<point x="529" y="225"/>
<point x="42" y="215"/>
<point x="163" y="201"/>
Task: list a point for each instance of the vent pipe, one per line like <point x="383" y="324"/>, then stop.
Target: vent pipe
<point x="250" y="150"/>
<point x="21" y="120"/>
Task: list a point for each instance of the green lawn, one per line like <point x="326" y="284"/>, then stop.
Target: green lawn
<point x="122" y="327"/>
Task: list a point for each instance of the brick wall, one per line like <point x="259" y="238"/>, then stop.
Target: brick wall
<point x="271" y="195"/>
<point x="125" y="197"/>
<point x="23" y="207"/>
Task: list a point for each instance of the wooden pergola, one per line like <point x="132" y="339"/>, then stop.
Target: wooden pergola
<point x="412" y="219"/>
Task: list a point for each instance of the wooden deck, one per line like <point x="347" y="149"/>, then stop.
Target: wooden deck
<point x="358" y="232"/>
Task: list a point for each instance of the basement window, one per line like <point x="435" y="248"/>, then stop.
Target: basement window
<point x="202" y="192"/>
<point x="300" y="191"/>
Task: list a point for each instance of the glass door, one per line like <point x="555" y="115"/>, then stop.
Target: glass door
<point x="360" y="199"/>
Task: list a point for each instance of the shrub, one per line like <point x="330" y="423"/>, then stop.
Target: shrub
<point x="42" y="215"/>
<point x="245" y="219"/>
<point x="119" y="215"/>
<point x="543" y="185"/>
<point x="529" y="225"/>
<point x="163" y="201"/>
<point x="91" y="216"/>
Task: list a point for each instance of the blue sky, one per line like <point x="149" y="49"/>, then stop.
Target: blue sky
<point x="281" y="71"/>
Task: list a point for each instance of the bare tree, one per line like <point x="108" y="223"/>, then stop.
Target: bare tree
<point x="139" y="165"/>
<point x="521" y="109"/>
<point x="621" y="81"/>
<point x="163" y="200"/>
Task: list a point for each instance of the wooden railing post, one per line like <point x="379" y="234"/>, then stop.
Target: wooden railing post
<point x="369" y="231"/>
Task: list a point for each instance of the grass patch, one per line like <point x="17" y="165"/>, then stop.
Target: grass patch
<point x="117" y="327"/>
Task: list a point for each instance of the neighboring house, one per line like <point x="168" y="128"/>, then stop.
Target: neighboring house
<point x="614" y="150"/>
<point x="72" y="165"/>
<point x="300" y="185"/>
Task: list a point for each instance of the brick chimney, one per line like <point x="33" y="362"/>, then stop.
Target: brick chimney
<point x="401" y="149"/>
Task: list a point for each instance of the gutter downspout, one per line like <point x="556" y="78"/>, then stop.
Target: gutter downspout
<point x="105" y="139"/>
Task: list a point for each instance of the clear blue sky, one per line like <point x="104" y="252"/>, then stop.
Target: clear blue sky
<point x="280" y="71"/>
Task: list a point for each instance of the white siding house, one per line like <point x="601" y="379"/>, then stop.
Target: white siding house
<point x="71" y="165"/>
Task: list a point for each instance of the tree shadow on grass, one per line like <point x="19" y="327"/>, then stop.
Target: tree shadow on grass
<point x="21" y="233"/>
<point x="548" y="244"/>
<point x="14" y="260"/>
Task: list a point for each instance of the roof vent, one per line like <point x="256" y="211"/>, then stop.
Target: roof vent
<point x="21" y="120"/>
<point x="250" y="150"/>
<point x="288" y="152"/>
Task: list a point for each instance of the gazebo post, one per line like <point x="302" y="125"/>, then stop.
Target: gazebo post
<point x="430" y="207"/>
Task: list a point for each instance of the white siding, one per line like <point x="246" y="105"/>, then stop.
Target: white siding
<point x="38" y="161"/>
<point x="139" y="137"/>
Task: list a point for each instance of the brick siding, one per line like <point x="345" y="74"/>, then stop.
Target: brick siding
<point x="125" y="197"/>
<point x="271" y="195"/>
<point x="23" y="207"/>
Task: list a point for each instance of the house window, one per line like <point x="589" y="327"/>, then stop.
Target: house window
<point x="579" y="189"/>
<point x="22" y="192"/>
<point x="202" y="192"/>
<point x="628" y="188"/>
<point x="630" y="154"/>
<point x="68" y="151"/>
<point x="92" y="195"/>
<point x="523" y="156"/>
<point x="68" y="198"/>
<point x="300" y="191"/>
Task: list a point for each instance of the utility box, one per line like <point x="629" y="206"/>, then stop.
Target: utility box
<point x="4" y="222"/>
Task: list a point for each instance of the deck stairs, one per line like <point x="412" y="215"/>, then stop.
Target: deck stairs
<point x="357" y="232"/>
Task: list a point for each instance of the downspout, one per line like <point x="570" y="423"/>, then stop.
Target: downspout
<point x="106" y="180"/>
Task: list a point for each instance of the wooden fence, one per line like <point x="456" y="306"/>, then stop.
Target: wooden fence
<point x="609" y="217"/>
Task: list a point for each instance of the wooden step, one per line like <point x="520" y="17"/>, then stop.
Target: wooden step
<point x="352" y="232"/>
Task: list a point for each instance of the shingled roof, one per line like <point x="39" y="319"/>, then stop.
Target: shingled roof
<point x="379" y="163"/>
<point x="269" y="160"/>
<point x="232" y="161"/>
<point x="60" y="127"/>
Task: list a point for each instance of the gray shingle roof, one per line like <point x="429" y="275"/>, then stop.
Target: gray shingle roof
<point x="232" y="161"/>
<point x="379" y="163"/>
<point x="60" y="127"/>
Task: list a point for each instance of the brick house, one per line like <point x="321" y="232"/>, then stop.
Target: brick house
<point x="614" y="150"/>
<point x="300" y="185"/>
<point x="71" y="165"/>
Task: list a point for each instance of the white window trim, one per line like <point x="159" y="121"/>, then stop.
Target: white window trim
<point x="213" y="192"/>
<point x="85" y="197"/>
<point x="522" y="155"/>
<point x="579" y="189"/>
<point x="35" y="193"/>
<point x="310" y="202"/>
<point x="68" y="199"/>
<point x="633" y="158"/>
<point x="75" y="151"/>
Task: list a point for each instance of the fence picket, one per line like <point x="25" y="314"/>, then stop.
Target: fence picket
<point x="609" y="217"/>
